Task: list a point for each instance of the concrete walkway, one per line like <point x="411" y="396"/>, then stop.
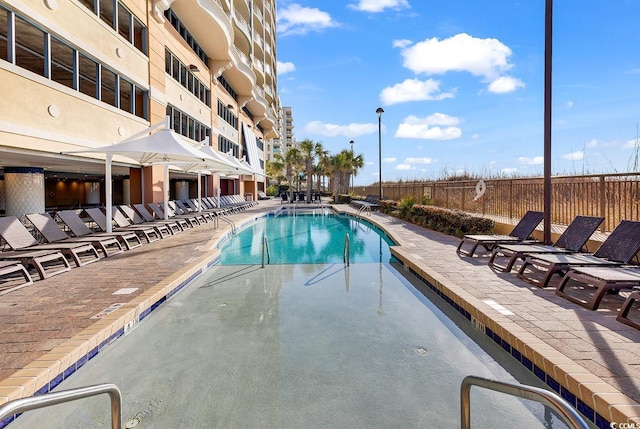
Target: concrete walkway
<point x="51" y="328"/>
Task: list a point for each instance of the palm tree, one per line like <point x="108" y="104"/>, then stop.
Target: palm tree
<point x="336" y="167"/>
<point x="292" y="162"/>
<point x="357" y="162"/>
<point x="275" y="168"/>
<point x="322" y="168"/>
<point x="309" y="151"/>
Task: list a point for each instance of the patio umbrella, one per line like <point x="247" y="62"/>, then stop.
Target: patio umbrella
<point x="164" y="147"/>
<point x="221" y="163"/>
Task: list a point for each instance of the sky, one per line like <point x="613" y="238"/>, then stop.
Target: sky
<point x="461" y="83"/>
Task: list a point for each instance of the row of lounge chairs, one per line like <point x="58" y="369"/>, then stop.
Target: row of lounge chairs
<point x="59" y="249"/>
<point x="584" y="278"/>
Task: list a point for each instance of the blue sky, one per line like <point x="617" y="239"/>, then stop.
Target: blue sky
<point x="461" y="84"/>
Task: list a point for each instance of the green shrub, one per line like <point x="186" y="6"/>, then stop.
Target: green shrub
<point x="271" y="190"/>
<point x="344" y="199"/>
<point x="451" y="222"/>
<point x="405" y="205"/>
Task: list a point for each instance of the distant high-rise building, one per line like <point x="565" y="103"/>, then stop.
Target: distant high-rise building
<point x="289" y="138"/>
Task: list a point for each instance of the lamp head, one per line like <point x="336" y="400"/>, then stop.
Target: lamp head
<point x="379" y="111"/>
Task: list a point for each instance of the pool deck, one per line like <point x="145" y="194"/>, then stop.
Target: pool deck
<point x="51" y="328"/>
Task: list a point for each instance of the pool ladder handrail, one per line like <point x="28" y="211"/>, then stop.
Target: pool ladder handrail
<point x="363" y="209"/>
<point x="345" y="253"/>
<point x="225" y="218"/>
<point x="265" y="247"/>
<point x="550" y="399"/>
<point x="19" y="406"/>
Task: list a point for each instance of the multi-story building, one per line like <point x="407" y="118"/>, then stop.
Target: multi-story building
<point x="78" y="74"/>
<point x="289" y="138"/>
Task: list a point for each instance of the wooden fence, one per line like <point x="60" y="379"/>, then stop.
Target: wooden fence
<point x="612" y="196"/>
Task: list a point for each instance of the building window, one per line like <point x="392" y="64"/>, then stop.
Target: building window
<point x="184" y="33"/>
<point x="124" y="22"/>
<point x="3" y="35"/>
<point x="187" y="126"/>
<point x="107" y="12"/>
<point x="141" y="107"/>
<point x="51" y="57"/>
<point x="126" y="95"/>
<point x="185" y="77"/>
<point x="226" y="85"/>
<point x="225" y="114"/>
<point x="227" y="146"/>
<point x="29" y="46"/>
<point x="88" y="73"/>
<point x="62" y="63"/>
<point x="108" y="85"/>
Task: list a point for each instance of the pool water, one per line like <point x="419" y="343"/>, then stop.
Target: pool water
<point x="316" y="345"/>
<point x="315" y="237"/>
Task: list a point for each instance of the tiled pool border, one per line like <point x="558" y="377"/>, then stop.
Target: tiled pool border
<point x="584" y="409"/>
<point x="157" y="299"/>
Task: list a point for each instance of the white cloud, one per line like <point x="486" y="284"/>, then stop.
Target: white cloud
<point x="284" y="68"/>
<point x="488" y="58"/>
<point x="537" y="160"/>
<point x="505" y="84"/>
<point x="413" y="90"/>
<point x="631" y="144"/>
<point x="598" y="143"/>
<point x="569" y="104"/>
<point x="434" y="127"/>
<point x="295" y="19"/>
<point x="508" y="171"/>
<point x="376" y="6"/>
<point x="401" y="43"/>
<point x="404" y="167"/>
<point x="423" y="160"/>
<point x="573" y="156"/>
<point x="333" y="130"/>
<point x="389" y="159"/>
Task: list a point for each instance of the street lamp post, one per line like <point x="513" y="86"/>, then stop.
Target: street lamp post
<point x="379" y="111"/>
<point x="351" y="143"/>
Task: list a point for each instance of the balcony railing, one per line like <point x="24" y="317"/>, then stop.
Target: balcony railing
<point x="615" y="197"/>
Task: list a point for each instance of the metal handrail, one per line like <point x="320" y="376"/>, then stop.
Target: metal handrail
<point x="230" y="222"/>
<point x="265" y="246"/>
<point x="19" y="406"/>
<point x="345" y="254"/>
<point x="545" y="397"/>
<point x="363" y="209"/>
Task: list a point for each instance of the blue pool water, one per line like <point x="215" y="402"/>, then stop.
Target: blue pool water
<point x="314" y="237"/>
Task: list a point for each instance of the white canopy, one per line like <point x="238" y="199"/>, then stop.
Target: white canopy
<point x="162" y="147"/>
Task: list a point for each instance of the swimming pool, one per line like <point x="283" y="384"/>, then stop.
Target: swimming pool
<point x="294" y="345"/>
<point x="305" y="237"/>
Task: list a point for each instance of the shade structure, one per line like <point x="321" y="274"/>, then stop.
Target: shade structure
<point x="222" y="164"/>
<point x="163" y="146"/>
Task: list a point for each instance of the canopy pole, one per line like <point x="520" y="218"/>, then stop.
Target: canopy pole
<point x="199" y="194"/>
<point x="108" y="191"/>
<point x="166" y="192"/>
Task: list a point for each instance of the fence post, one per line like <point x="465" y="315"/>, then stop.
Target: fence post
<point x="510" y="199"/>
<point x="603" y="204"/>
